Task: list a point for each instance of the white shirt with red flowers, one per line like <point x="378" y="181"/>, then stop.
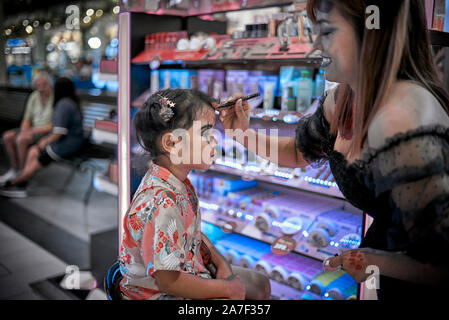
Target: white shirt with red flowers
<point x="162" y="231"/>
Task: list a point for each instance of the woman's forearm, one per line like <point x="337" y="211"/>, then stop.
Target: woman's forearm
<point x="280" y="150"/>
<point x="189" y="286"/>
<point x="402" y="267"/>
<point x="44" y="129"/>
<point x="53" y="138"/>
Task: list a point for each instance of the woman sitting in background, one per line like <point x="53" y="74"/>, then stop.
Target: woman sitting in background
<point x="65" y="139"/>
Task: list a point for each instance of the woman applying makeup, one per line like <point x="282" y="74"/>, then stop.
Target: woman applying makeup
<point x="385" y="133"/>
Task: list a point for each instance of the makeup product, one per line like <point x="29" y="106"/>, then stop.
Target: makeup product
<point x="279" y="274"/>
<point x="264" y="221"/>
<point x="263" y="267"/>
<point x="291" y="225"/>
<point x="291" y="100"/>
<point x="305" y="90"/>
<point x="254" y="85"/>
<point x="297" y="281"/>
<point x="233" y="102"/>
<point x="232" y="256"/>
<point x="166" y="79"/>
<point x="342" y="288"/>
<point x="319" y="284"/>
<point x="248" y="262"/>
<point x="268" y="95"/>
<point x="237" y="82"/>
<point x="223" y="185"/>
<point x="295" y="263"/>
<point x="322" y="233"/>
<point x="320" y="84"/>
<point x="217" y="90"/>
<point x="284" y="97"/>
<point x="154" y="85"/>
<point x="221" y="249"/>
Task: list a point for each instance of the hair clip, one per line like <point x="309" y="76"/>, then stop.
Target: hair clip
<point x="166" y="112"/>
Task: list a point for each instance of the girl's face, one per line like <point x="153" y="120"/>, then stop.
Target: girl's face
<point x="203" y="133"/>
<point x="338" y="45"/>
<point x="197" y="148"/>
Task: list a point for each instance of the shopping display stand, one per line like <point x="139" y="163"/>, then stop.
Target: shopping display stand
<point x="323" y="230"/>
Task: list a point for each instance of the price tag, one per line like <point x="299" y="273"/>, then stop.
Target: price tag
<point x="283" y="245"/>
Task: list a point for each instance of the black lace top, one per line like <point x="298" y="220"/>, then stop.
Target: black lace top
<point x="403" y="185"/>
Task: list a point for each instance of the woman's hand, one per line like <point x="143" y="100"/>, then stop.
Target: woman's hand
<point x="42" y="143"/>
<point x="354" y="262"/>
<point x="237" y="116"/>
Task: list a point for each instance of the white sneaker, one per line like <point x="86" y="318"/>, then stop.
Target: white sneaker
<point x="11" y="174"/>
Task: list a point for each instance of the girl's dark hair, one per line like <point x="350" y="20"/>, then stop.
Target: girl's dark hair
<point x="150" y="126"/>
<point x="65" y="88"/>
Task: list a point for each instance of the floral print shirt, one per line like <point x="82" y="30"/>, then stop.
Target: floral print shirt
<point x="162" y="231"/>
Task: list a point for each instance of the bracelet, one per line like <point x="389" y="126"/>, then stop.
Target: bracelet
<point x="328" y="267"/>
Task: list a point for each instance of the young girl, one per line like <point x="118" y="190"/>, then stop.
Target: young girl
<point x="160" y="252"/>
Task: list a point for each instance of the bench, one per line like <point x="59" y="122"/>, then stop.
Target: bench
<point x="12" y="108"/>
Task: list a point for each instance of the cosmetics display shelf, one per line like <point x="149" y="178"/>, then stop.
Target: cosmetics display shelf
<point x="230" y="63"/>
<point x="313" y="196"/>
<point x="271" y="115"/>
<point x="194" y="9"/>
<point x="281" y="177"/>
<point x="174" y="48"/>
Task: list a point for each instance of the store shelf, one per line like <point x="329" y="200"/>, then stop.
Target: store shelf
<point x="295" y="183"/>
<point x="104" y="184"/>
<point x="292" y="276"/>
<point x="308" y="197"/>
<point x="107" y="76"/>
<point x="216" y="7"/>
<point x="281" y="291"/>
<point x="103" y="136"/>
<point x="232" y="52"/>
<point x="238" y="225"/>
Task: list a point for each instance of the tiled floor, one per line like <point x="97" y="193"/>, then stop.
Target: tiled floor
<point x="52" y="197"/>
<point x="23" y="262"/>
<point x="58" y="204"/>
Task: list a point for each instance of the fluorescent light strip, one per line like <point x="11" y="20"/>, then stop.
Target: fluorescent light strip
<point x="123" y="119"/>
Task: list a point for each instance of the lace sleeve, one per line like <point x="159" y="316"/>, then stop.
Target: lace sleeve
<point x="413" y="171"/>
<point x="313" y="137"/>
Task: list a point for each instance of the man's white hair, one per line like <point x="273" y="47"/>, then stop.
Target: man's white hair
<point x="39" y="75"/>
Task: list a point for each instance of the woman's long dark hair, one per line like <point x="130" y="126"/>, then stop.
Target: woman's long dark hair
<point x="400" y="49"/>
<point x="65" y="88"/>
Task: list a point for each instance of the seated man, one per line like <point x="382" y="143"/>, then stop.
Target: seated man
<point x="36" y="124"/>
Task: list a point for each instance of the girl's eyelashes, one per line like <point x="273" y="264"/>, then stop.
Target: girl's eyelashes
<point x="327" y="31"/>
<point x="207" y="134"/>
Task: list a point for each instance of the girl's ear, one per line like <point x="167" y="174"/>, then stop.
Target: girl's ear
<point x="168" y="141"/>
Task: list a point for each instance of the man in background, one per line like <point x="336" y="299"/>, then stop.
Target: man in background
<point x="36" y="124"/>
